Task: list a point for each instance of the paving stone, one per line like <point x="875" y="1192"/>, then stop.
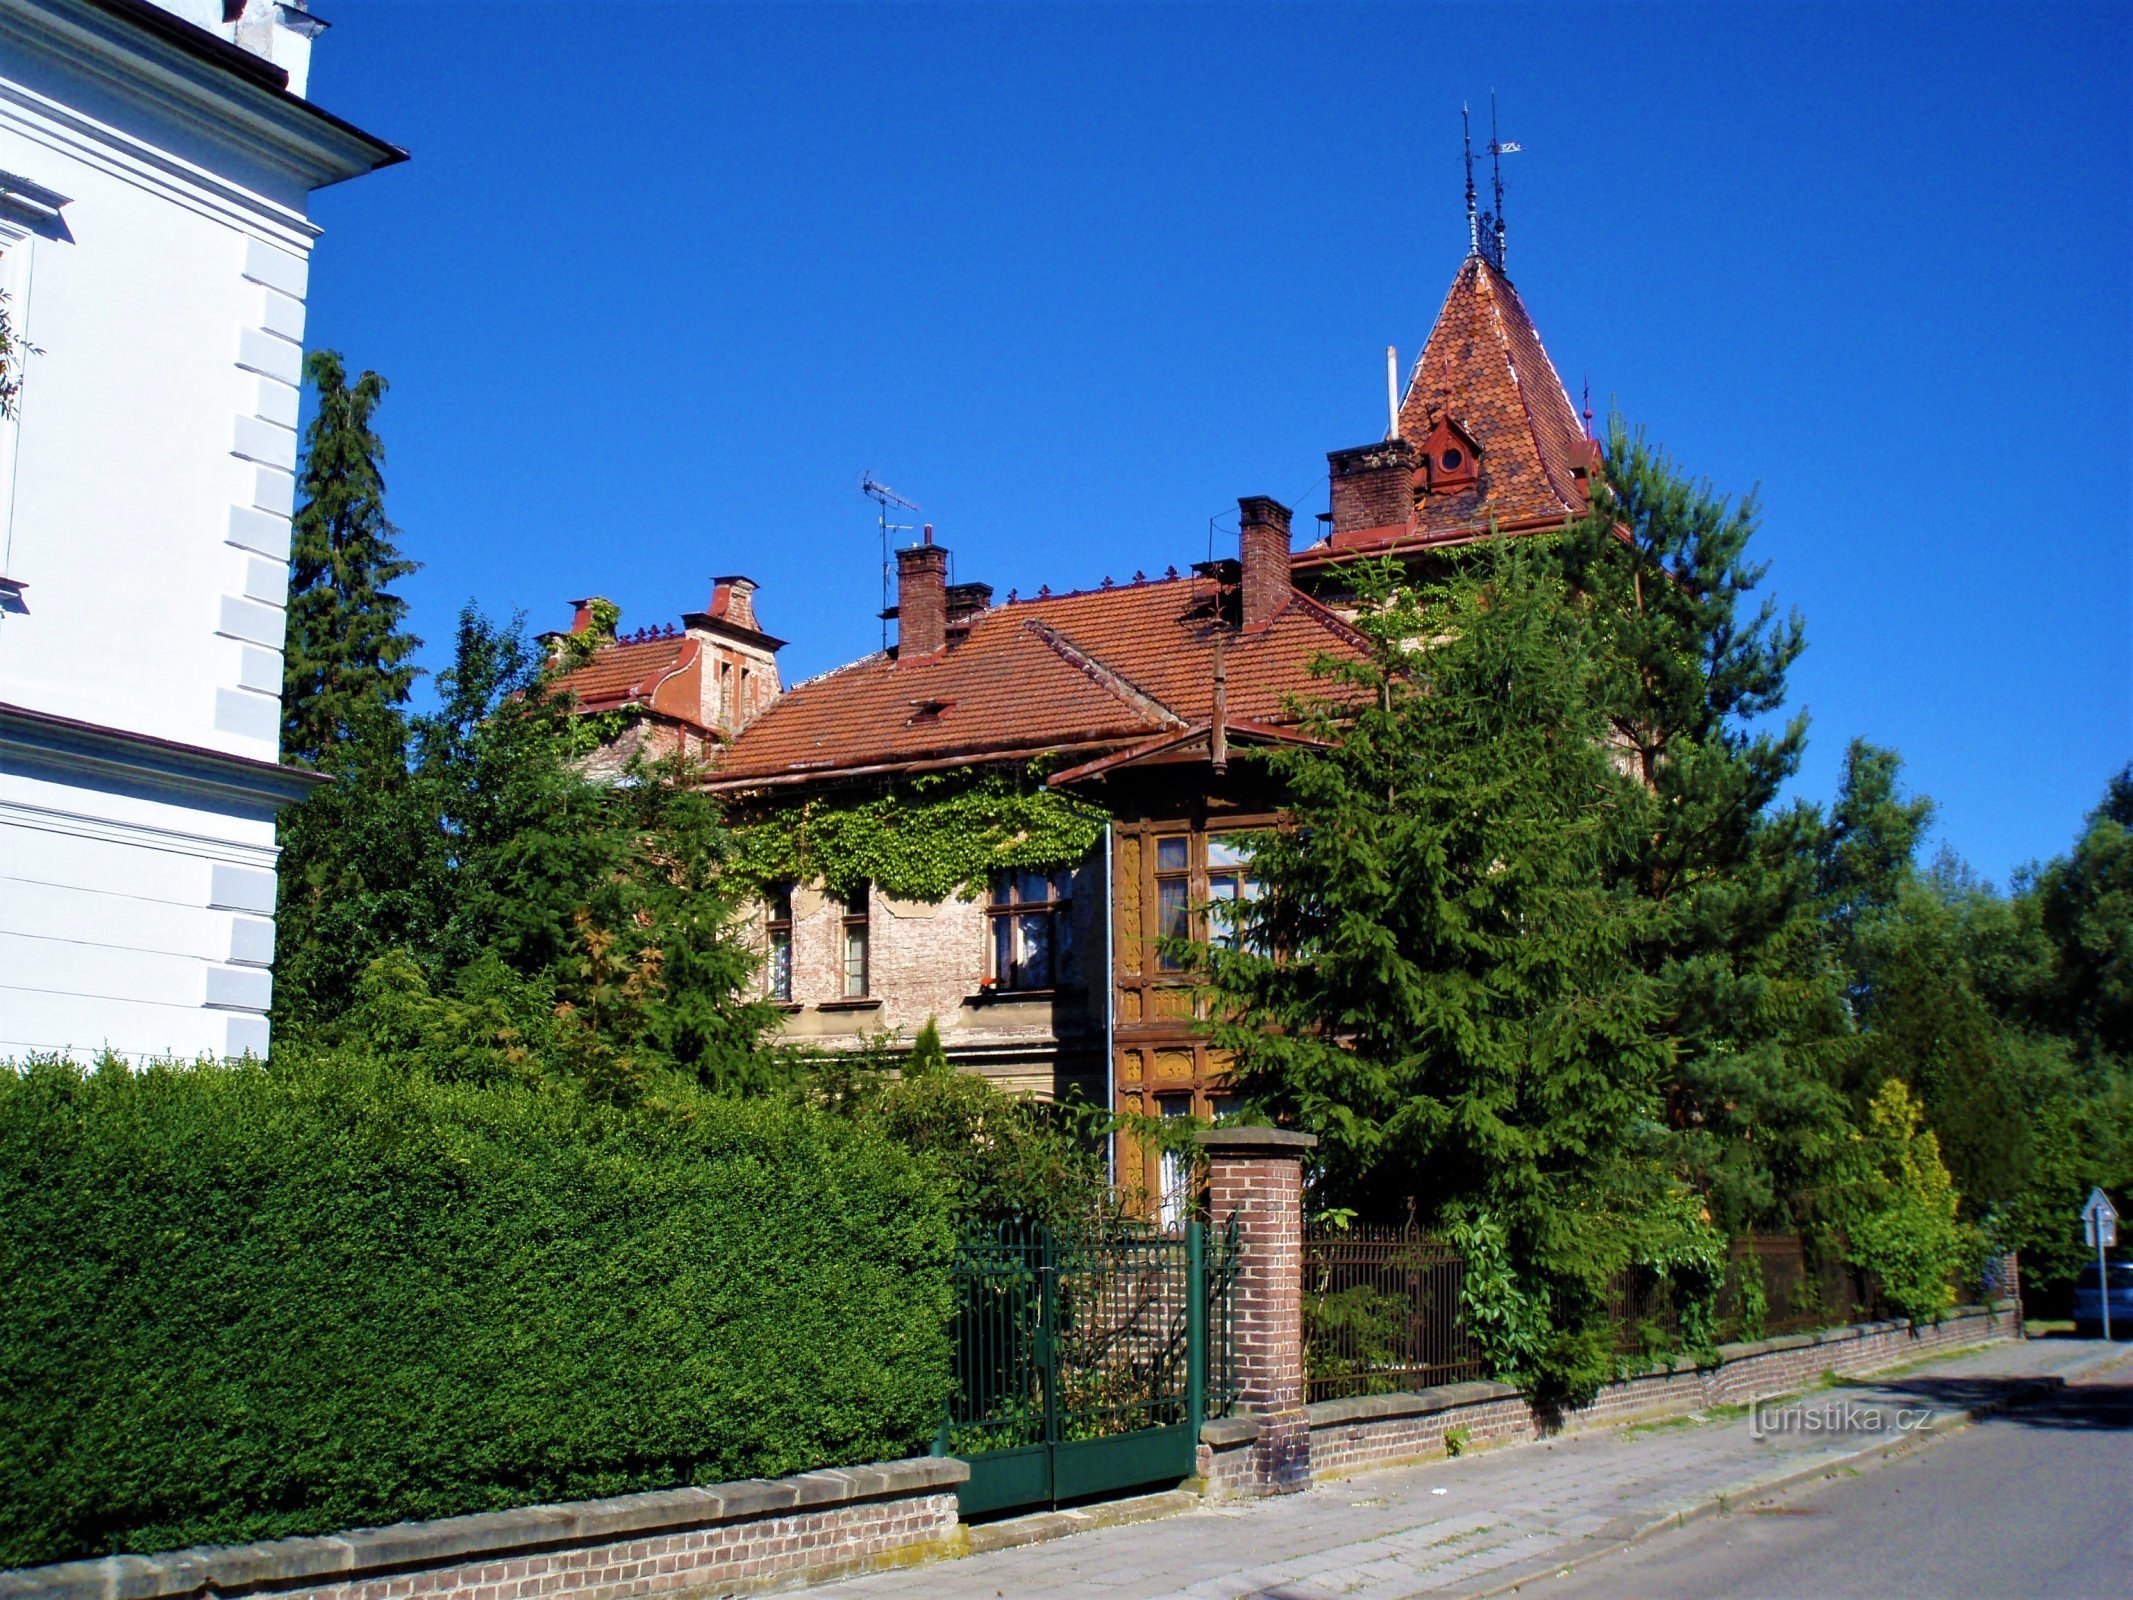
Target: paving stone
<point x="1384" y="1534"/>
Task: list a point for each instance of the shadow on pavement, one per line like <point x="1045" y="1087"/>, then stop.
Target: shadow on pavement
<point x="2084" y="1406"/>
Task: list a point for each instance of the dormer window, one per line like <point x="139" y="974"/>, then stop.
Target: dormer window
<point x="1449" y="459"/>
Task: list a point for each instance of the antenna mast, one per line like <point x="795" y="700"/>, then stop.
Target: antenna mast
<point x="884" y="497"/>
<point x="1473" y="226"/>
<point x="1490" y="233"/>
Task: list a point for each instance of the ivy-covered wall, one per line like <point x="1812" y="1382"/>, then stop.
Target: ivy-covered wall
<point x="928" y="847"/>
<point x="925" y="837"/>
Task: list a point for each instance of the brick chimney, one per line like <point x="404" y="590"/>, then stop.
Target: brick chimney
<point x="581" y="614"/>
<point x="733" y="600"/>
<point x="921" y="599"/>
<point x="1264" y="546"/>
<point x="1373" y="492"/>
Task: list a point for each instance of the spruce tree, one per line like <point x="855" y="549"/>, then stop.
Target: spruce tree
<point x="345" y="663"/>
<point x="1440" y="979"/>
<point x="1692" y="663"/>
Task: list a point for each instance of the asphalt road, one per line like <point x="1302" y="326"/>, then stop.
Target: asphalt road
<point x="2034" y="1503"/>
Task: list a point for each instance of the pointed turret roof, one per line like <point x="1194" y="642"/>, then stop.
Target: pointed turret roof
<point x="1487" y="435"/>
<point x="1485" y="371"/>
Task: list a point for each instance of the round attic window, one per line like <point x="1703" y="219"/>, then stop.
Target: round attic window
<point x="1452" y="460"/>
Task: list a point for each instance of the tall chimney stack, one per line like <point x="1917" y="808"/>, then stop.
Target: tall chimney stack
<point x="1373" y="492"/>
<point x="921" y="599"/>
<point x="1264" y="544"/>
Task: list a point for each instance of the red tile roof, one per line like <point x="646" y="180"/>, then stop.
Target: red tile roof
<point x="1063" y="672"/>
<point x="1485" y="370"/>
<point x="633" y="672"/>
<point x="1484" y="366"/>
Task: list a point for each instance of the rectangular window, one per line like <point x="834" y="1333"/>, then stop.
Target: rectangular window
<point x="1231" y="889"/>
<point x="1173" y="896"/>
<point x="778" y="968"/>
<point x="1173" y="1205"/>
<point x="855" y="944"/>
<point x="1032" y="928"/>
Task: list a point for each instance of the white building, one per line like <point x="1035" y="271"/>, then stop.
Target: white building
<point x="156" y="162"/>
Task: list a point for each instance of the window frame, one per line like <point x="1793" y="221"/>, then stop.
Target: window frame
<point x="1005" y="912"/>
<point x="1227" y="929"/>
<point x="777" y="938"/>
<point x="857" y="921"/>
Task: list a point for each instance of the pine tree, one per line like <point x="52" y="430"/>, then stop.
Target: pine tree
<point x="346" y="659"/>
<point x="1440" y="978"/>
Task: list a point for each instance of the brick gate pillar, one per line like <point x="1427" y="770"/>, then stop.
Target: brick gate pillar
<point x="1256" y="1175"/>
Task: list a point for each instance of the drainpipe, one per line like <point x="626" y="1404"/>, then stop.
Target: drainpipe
<point x="1110" y="1012"/>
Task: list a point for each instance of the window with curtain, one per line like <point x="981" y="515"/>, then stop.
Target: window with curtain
<point x="1029" y="917"/>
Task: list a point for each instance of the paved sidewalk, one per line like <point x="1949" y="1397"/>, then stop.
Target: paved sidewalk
<point x="1476" y="1524"/>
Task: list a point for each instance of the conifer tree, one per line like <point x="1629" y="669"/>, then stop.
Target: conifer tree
<point x="1440" y="976"/>
<point x="1691" y="663"/>
<point x="346" y="659"/>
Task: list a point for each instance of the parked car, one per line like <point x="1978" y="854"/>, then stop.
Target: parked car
<point x="2088" y="1301"/>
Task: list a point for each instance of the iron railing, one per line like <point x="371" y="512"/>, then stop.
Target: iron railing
<point x="1802" y="1291"/>
<point x="1384" y="1309"/>
<point x="1383" y="1313"/>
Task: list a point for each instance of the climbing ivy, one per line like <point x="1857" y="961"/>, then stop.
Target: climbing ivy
<point x="924" y="837"/>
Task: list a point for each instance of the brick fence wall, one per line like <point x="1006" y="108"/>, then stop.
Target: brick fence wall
<point x="1370" y="1431"/>
<point x="732" y="1537"/>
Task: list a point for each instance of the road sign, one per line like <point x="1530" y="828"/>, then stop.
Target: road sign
<point x="2099" y="1220"/>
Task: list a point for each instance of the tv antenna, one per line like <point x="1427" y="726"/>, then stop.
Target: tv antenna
<point x="884" y="497"/>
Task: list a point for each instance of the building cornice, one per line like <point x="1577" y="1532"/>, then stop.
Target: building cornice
<point x="62" y="744"/>
<point x="169" y="64"/>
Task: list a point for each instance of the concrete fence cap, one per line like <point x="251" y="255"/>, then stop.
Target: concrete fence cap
<point x="1244" y="1141"/>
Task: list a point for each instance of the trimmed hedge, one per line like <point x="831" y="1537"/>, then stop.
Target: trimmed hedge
<point x="244" y="1302"/>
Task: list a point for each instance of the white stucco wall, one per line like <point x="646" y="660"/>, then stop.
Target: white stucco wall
<point x="145" y="493"/>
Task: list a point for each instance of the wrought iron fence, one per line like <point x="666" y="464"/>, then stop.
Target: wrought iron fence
<point x="1801" y="1290"/>
<point x="1383" y="1313"/>
<point x="1221" y="1278"/>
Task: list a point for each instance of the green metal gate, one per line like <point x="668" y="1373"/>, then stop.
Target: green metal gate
<point x="1085" y="1362"/>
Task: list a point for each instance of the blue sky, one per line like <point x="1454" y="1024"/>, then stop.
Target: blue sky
<point x="661" y="281"/>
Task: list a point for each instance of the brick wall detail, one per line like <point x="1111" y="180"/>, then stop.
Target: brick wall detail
<point x="1374" y="1431"/>
<point x="734" y="1537"/>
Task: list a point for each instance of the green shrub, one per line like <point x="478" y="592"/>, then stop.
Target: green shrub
<point x="246" y="1302"/>
<point x="1900" y="1210"/>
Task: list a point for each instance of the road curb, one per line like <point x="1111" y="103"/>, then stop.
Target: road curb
<point x="1637" y="1532"/>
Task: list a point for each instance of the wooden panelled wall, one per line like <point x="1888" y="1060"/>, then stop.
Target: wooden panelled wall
<point x="1162" y="1063"/>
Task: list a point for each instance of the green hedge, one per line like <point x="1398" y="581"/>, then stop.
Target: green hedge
<point x="248" y="1302"/>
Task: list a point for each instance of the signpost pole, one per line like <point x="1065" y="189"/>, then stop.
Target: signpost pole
<point x="2103" y="1283"/>
<point x="2100" y="1218"/>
